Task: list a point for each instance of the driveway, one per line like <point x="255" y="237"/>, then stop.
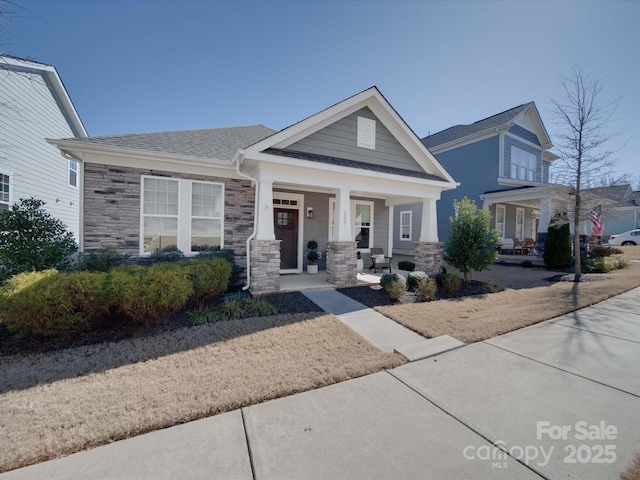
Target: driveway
<point x="556" y="400"/>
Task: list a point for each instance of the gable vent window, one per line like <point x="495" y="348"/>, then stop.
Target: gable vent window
<point x="366" y="133"/>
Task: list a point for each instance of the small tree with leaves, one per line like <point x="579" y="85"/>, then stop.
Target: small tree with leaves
<point x="473" y="242"/>
<point x="32" y="240"/>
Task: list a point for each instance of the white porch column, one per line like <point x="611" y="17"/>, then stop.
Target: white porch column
<point x="390" y="232"/>
<point x="342" y="217"/>
<point x="545" y="215"/>
<point x="264" y="212"/>
<point x="429" y="225"/>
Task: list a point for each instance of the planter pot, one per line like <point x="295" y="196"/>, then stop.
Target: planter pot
<point x="359" y="265"/>
<point x="312" y="269"/>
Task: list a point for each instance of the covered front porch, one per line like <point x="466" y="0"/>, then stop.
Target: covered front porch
<point x="521" y="213"/>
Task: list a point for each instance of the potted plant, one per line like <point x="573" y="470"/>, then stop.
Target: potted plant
<point x="359" y="263"/>
<point x="312" y="257"/>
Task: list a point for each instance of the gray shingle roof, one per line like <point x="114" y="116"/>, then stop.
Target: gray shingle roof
<point x="461" y="131"/>
<point x="343" y="162"/>
<point x="212" y="143"/>
<point x="621" y="194"/>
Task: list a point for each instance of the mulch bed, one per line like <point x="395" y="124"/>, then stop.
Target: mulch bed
<point x="377" y="297"/>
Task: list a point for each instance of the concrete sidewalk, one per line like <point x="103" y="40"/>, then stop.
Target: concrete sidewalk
<point x="562" y="397"/>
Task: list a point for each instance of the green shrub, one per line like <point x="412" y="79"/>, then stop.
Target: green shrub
<point x="148" y="294"/>
<point x="600" y="251"/>
<point x="244" y="307"/>
<point x="394" y="284"/>
<point x="167" y="254"/>
<point x="526" y="264"/>
<point x="414" y="277"/>
<point x="621" y="261"/>
<point x="557" y="249"/>
<point x="229" y="255"/>
<point x="33" y="240"/>
<point x="451" y="283"/>
<point x="473" y="242"/>
<point x="406" y="265"/>
<point x="209" y="277"/>
<point x="100" y="261"/>
<point x="440" y="276"/>
<point x="426" y="288"/>
<point x="604" y="264"/>
<point x="53" y="303"/>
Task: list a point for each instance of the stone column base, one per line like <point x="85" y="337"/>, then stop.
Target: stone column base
<point x="265" y="266"/>
<point x="341" y="263"/>
<point x="428" y="256"/>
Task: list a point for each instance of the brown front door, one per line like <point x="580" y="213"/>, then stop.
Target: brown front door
<point x="286" y="227"/>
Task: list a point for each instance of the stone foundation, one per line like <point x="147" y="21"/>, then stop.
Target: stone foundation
<point x="265" y="266"/>
<point x="428" y="256"/>
<point x="341" y="263"/>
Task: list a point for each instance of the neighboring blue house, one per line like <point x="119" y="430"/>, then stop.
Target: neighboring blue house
<point x="621" y="208"/>
<point x="502" y="163"/>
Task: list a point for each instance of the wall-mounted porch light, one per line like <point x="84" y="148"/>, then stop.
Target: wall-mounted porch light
<point x="309" y="212"/>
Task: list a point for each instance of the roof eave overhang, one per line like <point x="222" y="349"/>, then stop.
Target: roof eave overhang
<point x="79" y="150"/>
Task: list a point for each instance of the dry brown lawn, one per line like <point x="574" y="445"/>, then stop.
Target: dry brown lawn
<point x="58" y="403"/>
<point x="472" y="319"/>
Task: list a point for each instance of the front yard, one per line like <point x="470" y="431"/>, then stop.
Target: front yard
<point x="56" y="403"/>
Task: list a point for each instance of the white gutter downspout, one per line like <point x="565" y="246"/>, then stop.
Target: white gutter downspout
<point x="238" y="158"/>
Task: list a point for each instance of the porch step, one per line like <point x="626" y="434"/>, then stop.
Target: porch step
<point x="428" y="347"/>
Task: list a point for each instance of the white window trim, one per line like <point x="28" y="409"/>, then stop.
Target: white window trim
<point x="184" y="213"/>
<point x="332" y="203"/>
<point x="403" y="239"/>
<point x="521" y="236"/>
<point x="521" y="152"/>
<point x="9" y="202"/>
<point x="366" y="135"/>
<point x="504" y="217"/>
<point x="77" y="172"/>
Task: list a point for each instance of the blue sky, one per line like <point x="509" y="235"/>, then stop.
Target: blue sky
<point x="140" y="66"/>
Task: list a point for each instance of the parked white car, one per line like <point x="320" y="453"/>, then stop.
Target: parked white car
<point x="632" y="237"/>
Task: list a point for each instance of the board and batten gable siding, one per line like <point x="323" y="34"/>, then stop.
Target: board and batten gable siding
<point x="476" y="167"/>
<point x="339" y="140"/>
<point x="522" y="132"/>
<point x="512" y="142"/>
<point x="30" y="113"/>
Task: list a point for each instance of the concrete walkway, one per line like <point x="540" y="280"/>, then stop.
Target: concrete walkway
<point x="561" y="397"/>
<point x="381" y="331"/>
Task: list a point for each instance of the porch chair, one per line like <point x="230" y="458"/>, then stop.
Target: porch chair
<point x="519" y="245"/>
<point x="379" y="260"/>
<point x="531" y="245"/>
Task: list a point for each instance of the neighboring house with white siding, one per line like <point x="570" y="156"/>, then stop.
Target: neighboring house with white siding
<point x="333" y="177"/>
<point x="34" y="105"/>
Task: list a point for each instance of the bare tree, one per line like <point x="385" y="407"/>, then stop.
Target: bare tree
<point x="581" y="142"/>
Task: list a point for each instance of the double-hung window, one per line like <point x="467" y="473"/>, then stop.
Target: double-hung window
<point x="4" y="192"/>
<point x="405" y="225"/>
<point x="179" y="213"/>
<point x="523" y="165"/>
<point x="520" y="223"/>
<point x="500" y="214"/>
<point x="73" y="173"/>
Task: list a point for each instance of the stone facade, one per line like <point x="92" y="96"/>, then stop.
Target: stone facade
<point x="112" y="209"/>
<point x="341" y="263"/>
<point x="265" y="266"/>
<point x="428" y="256"/>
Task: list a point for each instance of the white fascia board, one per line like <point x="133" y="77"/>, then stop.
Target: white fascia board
<point x="513" y="182"/>
<point x="372" y="99"/>
<point x="262" y="162"/>
<point x="547" y="140"/>
<point x="511" y="196"/>
<point x="315" y="176"/>
<point x="79" y="149"/>
<point x="460" y="142"/>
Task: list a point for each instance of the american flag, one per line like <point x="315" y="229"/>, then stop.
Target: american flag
<point x="597" y="224"/>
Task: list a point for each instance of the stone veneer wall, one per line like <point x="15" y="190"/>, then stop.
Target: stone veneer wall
<point x="265" y="266"/>
<point x="428" y="256"/>
<point x="341" y="263"/>
<point x="112" y="209"/>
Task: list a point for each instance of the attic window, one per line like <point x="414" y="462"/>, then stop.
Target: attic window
<point x="366" y="133"/>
